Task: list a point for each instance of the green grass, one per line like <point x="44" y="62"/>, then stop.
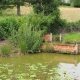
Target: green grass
<point x="5" y="50"/>
<point x="71" y="38"/>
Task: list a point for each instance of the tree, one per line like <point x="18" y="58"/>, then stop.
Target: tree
<point x="16" y="3"/>
<point x="45" y="6"/>
<point x="51" y="15"/>
<point x="76" y="3"/>
<point x="4" y="5"/>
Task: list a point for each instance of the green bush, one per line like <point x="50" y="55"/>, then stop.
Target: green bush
<point x="48" y="24"/>
<point x="29" y="39"/>
<point x="5" y="50"/>
<point x="73" y="26"/>
<point x="76" y="3"/>
<point x="23" y="47"/>
<point x="65" y="4"/>
<point x="7" y="24"/>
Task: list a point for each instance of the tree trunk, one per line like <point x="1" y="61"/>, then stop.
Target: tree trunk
<point x="42" y="7"/>
<point x="18" y="10"/>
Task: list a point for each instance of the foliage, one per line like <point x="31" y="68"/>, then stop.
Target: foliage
<point x="4" y="5"/>
<point x="73" y="26"/>
<point x="7" y="24"/>
<point x="42" y="22"/>
<point x="51" y="15"/>
<point x="45" y="23"/>
<point x="76" y="3"/>
<point x="71" y="38"/>
<point x="49" y="23"/>
<point x="29" y="38"/>
<point x="23" y="48"/>
<point x="5" y="50"/>
<point x="45" y="6"/>
<point x="8" y="3"/>
<point x="48" y="11"/>
<point x="58" y="26"/>
<point x="48" y="47"/>
<point x="65" y="4"/>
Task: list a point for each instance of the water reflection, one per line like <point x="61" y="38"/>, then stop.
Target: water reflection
<point x="76" y="61"/>
<point x="70" y="71"/>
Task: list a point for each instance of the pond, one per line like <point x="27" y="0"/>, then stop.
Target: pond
<point x="39" y="66"/>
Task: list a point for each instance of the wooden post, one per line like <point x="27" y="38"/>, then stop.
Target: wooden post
<point x="51" y="37"/>
<point x="76" y="48"/>
<point x="60" y="38"/>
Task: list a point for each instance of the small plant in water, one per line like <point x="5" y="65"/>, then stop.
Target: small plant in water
<point x="5" y="50"/>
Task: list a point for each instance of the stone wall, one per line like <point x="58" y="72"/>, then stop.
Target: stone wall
<point x="48" y="37"/>
<point x="62" y="48"/>
<point x="66" y="48"/>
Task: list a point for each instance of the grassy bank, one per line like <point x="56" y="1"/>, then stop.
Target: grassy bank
<point x="71" y="38"/>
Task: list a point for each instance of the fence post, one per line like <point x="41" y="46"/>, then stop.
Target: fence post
<point x="76" y="48"/>
<point x="51" y="37"/>
<point x="60" y="38"/>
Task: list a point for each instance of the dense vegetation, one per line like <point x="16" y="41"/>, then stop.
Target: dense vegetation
<point x="28" y="38"/>
<point x="76" y="3"/>
<point x="51" y="23"/>
<point x="25" y="33"/>
<point x="7" y="24"/>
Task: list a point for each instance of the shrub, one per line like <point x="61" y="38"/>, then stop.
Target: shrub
<point x="73" y="27"/>
<point x="76" y="3"/>
<point x="5" y="50"/>
<point x="65" y="4"/>
<point x="7" y="24"/>
<point x="27" y="38"/>
<point x="23" y="47"/>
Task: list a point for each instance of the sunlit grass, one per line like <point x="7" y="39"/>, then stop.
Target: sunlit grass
<point x="71" y="38"/>
<point x="13" y="11"/>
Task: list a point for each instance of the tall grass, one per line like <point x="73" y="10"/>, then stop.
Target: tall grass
<point x="5" y="50"/>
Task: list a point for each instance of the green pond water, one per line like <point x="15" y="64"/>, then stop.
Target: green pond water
<point x="39" y="63"/>
<point x="53" y="58"/>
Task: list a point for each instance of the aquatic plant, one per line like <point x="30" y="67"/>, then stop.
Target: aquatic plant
<point x="5" y="50"/>
<point x="39" y="71"/>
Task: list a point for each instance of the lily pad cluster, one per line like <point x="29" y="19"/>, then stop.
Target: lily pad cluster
<point x="27" y="71"/>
